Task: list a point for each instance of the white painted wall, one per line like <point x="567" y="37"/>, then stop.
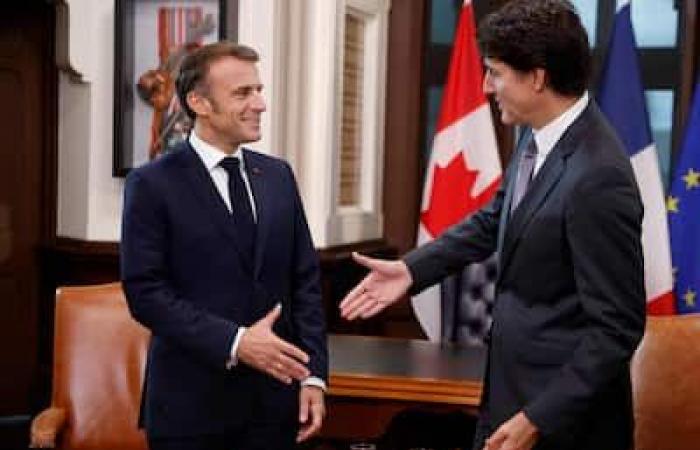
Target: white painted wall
<point x="89" y="198"/>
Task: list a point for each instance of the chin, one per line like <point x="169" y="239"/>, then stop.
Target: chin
<point x="252" y="138"/>
<point x="507" y="119"/>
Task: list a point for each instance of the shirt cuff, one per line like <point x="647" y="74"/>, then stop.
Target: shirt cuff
<point x="233" y="354"/>
<point x="315" y="381"/>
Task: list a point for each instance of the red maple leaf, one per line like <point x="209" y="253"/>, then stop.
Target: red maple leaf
<point x="451" y="195"/>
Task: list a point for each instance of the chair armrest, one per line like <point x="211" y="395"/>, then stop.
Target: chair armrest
<point x="46" y="426"/>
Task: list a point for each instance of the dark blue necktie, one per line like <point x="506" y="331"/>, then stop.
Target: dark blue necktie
<point x="240" y="205"/>
<point x="526" y="166"/>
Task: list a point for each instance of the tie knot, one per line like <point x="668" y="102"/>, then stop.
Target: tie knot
<point x="230" y="164"/>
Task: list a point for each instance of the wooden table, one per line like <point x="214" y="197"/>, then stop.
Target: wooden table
<point x="374" y="378"/>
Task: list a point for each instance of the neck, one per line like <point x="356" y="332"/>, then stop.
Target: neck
<point x="553" y="106"/>
<point x="208" y="135"/>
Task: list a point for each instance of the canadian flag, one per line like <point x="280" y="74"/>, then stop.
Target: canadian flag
<point x="464" y="170"/>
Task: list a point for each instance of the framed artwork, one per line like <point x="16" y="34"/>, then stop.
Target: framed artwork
<point x="152" y="37"/>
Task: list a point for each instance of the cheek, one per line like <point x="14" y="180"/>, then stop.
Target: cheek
<point x="499" y="88"/>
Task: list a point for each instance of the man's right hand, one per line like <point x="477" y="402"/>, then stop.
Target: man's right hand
<point x="386" y="283"/>
<point x="261" y="349"/>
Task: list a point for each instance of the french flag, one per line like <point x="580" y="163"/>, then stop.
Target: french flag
<point x="621" y="97"/>
<point x="464" y="170"/>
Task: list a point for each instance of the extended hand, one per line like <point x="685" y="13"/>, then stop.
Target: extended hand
<point x="312" y="410"/>
<point x="518" y="433"/>
<point x="262" y="349"/>
<point x="386" y="283"/>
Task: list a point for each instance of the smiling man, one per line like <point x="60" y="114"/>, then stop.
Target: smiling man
<point x="217" y="261"/>
<point x="566" y="223"/>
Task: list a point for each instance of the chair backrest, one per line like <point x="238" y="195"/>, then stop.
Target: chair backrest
<point x="466" y="303"/>
<point x="666" y="384"/>
<point x="98" y="370"/>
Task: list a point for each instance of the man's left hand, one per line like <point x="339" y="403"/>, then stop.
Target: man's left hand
<point x="518" y="433"/>
<point x="312" y="410"/>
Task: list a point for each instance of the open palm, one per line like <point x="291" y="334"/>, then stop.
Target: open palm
<point x="386" y="283"/>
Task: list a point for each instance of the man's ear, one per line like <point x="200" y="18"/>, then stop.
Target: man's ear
<point x="539" y="79"/>
<point x="198" y="103"/>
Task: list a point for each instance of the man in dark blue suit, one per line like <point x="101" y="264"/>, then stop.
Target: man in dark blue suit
<point x="570" y="303"/>
<point x="217" y="261"/>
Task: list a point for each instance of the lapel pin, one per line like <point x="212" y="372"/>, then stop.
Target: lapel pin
<point x="256" y="171"/>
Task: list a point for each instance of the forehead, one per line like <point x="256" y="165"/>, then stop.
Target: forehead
<point x="497" y="64"/>
<point x="230" y="72"/>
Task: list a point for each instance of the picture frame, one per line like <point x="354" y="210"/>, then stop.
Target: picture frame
<point x="151" y="39"/>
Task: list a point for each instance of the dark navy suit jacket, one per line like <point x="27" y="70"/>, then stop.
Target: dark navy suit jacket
<point x="186" y="280"/>
<point x="570" y="303"/>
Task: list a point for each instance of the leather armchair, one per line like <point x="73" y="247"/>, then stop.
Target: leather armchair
<point x="665" y="374"/>
<point x="98" y="369"/>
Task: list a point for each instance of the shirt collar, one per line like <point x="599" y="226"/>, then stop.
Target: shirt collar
<point x="548" y="136"/>
<point x="210" y="155"/>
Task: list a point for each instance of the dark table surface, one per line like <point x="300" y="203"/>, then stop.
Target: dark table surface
<point x="411" y="358"/>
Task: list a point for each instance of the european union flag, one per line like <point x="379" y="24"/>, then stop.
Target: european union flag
<point x="683" y="206"/>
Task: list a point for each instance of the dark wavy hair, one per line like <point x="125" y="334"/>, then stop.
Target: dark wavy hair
<point x="195" y="67"/>
<point x="546" y="34"/>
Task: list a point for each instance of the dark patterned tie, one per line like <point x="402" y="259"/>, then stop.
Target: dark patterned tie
<point x="240" y="205"/>
<point x="526" y="166"/>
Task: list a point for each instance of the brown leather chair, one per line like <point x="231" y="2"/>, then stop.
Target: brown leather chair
<point x="666" y="384"/>
<point x="99" y="362"/>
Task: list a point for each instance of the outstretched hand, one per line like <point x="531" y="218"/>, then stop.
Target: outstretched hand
<point x="261" y="349"/>
<point x="386" y="283"/>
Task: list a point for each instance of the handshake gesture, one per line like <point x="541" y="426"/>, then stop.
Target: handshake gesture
<point x="386" y="283"/>
<point x="263" y="350"/>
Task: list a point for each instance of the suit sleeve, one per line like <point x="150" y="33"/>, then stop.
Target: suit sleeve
<point x="603" y="221"/>
<point x="150" y="291"/>
<point x="472" y="240"/>
<point x="307" y="310"/>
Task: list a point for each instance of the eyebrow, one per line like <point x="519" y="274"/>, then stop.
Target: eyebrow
<point x="248" y="87"/>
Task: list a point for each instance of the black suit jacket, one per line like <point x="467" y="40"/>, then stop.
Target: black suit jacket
<point x="570" y="300"/>
<point x="186" y="280"/>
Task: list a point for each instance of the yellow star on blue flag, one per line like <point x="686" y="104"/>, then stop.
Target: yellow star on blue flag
<point x="684" y="225"/>
<point x="692" y="179"/>
<point x="689" y="298"/>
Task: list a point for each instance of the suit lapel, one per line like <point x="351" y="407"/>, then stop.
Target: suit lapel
<point x="202" y="185"/>
<point x="540" y="188"/>
<point x="508" y="198"/>
<point x="257" y="178"/>
<point x="543" y="184"/>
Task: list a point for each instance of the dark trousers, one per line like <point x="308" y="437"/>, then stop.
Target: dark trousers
<point x="256" y="436"/>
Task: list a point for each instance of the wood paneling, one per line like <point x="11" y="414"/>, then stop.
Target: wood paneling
<point x="690" y="51"/>
<point x="27" y="203"/>
<point x="404" y="123"/>
<point x="26" y="121"/>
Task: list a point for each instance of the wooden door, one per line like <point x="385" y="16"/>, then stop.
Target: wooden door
<point x="27" y="111"/>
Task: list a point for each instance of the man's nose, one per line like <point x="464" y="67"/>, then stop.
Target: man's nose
<point x="487" y="85"/>
<point x="258" y="103"/>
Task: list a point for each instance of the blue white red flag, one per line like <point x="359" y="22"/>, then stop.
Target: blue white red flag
<point x="621" y="97"/>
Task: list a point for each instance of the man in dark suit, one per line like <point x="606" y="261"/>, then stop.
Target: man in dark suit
<point x="217" y="261"/>
<point x="570" y="302"/>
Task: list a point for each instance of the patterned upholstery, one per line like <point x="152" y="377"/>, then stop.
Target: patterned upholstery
<point x="467" y="302"/>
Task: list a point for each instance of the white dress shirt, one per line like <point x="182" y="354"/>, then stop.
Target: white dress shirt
<point x="211" y="157"/>
<point x="548" y="136"/>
